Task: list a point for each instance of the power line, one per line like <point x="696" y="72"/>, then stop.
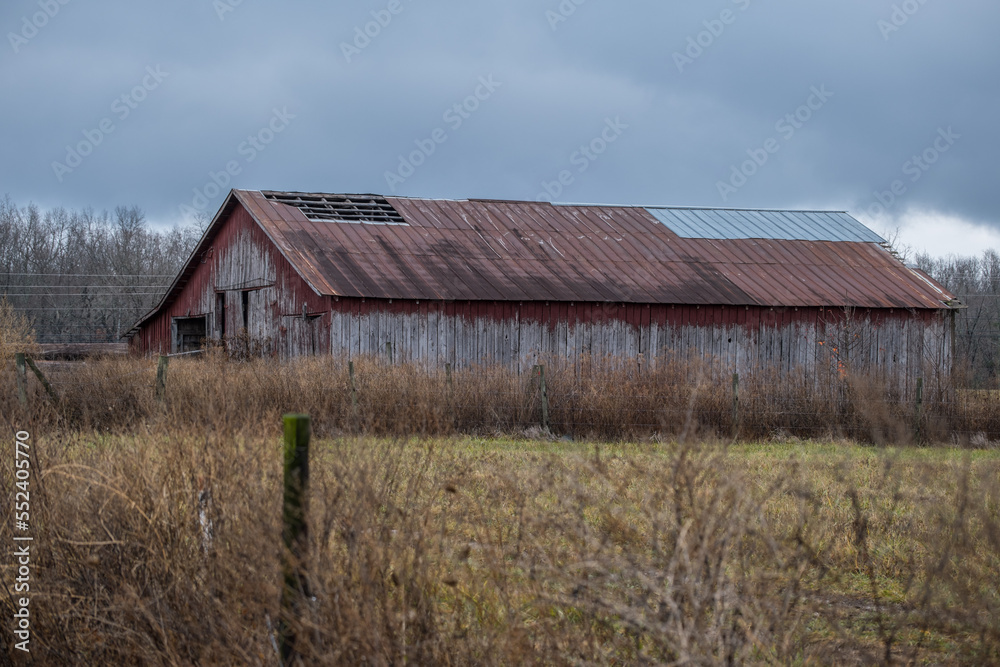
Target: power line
<point x="120" y="287"/>
<point x="89" y="294"/>
<point x="94" y="275"/>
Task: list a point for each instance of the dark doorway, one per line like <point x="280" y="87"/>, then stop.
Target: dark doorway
<point x="246" y="310"/>
<point x="220" y="314"/>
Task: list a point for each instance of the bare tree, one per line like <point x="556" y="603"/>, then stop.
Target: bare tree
<point x="84" y="276"/>
<point x="976" y="281"/>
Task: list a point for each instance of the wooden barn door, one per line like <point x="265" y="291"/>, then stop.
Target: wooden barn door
<point x="303" y="336"/>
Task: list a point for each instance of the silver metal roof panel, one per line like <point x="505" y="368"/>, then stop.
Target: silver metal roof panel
<point x="702" y="223"/>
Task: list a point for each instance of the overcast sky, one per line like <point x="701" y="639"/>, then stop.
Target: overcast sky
<point x="888" y="109"/>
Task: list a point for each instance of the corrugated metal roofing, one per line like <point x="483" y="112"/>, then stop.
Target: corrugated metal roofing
<point x="701" y="223"/>
<point x="521" y="251"/>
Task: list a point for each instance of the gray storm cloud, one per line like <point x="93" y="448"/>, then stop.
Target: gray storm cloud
<point x="168" y="105"/>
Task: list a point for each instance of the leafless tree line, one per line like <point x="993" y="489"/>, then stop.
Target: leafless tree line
<point x="976" y="281"/>
<point x="84" y="276"/>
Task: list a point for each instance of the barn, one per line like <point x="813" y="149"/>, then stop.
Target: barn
<point x="512" y="282"/>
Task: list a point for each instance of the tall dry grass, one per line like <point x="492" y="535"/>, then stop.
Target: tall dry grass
<point x="159" y="536"/>
<point x="163" y="547"/>
<point x="681" y="397"/>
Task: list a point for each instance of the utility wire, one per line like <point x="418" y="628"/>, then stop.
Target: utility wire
<point x="87" y="294"/>
<point x="93" y="275"/>
<point x="111" y="287"/>
<point x="99" y="308"/>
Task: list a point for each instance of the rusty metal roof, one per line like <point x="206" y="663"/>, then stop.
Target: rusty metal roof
<point x="520" y="251"/>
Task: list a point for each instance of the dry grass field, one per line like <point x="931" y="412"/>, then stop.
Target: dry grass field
<point x="466" y="541"/>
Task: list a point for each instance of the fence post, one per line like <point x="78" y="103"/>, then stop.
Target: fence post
<point x="736" y="405"/>
<point x="161" y="377"/>
<point x="294" y="529"/>
<point x="22" y="379"/>
<point x="544" y="395"/>
<point x="388" y="350"/>
<point x="919" y="408"/>
<point x="41" y="378"/>
<point x="354" y="394"/>
<point x="451" y="392"/>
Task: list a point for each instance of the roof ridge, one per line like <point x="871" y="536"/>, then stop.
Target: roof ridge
<point x="588" y="204"/>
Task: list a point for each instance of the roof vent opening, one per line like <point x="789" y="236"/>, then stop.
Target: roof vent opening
<point x="357" y="209"/>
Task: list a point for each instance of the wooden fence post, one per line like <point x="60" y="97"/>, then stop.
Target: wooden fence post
<point x="451" y="392"/>
<point x="161" y="377"/>
<point x="388" y="350"/>
<point x="22" y="379"/>
<point x="919" y="408"/>
<point x="41" y="378"/>
<point x="544" y="395"/>
<point x="736" y="405"/>
<point x="294" y="530"/>
<point x="354" y="395"/>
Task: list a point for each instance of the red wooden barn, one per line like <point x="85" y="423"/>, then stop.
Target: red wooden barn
<point x="515" y="282"/>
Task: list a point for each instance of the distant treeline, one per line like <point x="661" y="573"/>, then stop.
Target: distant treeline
<point x="976" y="281"/>
<point x="83" y="276"/>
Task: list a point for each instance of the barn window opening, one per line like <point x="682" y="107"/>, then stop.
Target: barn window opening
<point x="357" y="209"/>
<point x="189" y="333"/>
<point x="245" y="295"/>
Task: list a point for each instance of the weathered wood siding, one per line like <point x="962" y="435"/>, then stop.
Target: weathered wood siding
<point x="241" y="258"/>
<point x="900" y="342"/>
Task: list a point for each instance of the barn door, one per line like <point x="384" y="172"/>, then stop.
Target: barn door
<point x="303" y="337"/>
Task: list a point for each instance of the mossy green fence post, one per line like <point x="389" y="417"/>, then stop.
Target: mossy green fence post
<point x="41" y="378"/>
<point x="919" y="412"/>
<point x="294" y="533"/>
